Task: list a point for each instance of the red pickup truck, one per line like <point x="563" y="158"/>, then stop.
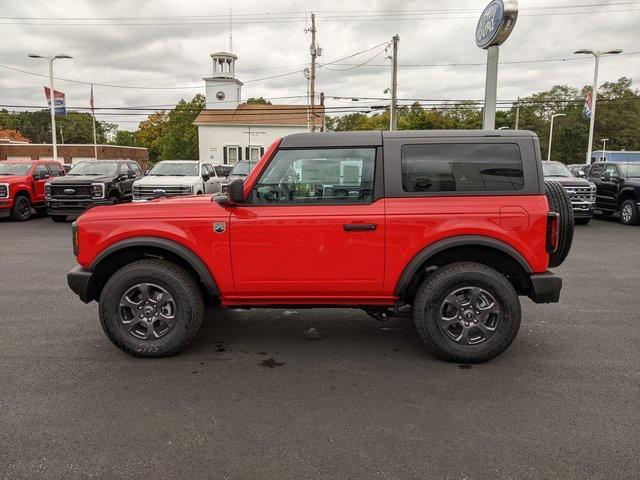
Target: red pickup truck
<point x="453" y="224"/>
<point x="22" y="186"/>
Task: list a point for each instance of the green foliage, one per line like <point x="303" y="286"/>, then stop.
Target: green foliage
<point x="257" y="101"/>
<point x="75" y="127"/>
<point x="617" y="118"/>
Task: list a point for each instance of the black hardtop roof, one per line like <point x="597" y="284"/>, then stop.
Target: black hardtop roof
<point x="376" y="137"/>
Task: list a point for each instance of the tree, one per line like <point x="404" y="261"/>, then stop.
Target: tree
<point x="13" y="135"/>
<point x="257" y="101"/>
<point x="149" y="133"/>
<point x="125" y="138"/>
<point x="179" y="139"/>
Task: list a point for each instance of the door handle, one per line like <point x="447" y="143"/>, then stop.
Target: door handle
<point x="359" y="227"/>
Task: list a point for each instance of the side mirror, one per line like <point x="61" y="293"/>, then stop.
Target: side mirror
<point x="580" y="173"/>
<point x="206" y="177"/>
<point x="235" y="193"/>
<point x="606" y="177"/>
<point x="131" y="174"/>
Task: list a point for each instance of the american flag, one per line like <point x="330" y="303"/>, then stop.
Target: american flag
<point x="91" y="101"/>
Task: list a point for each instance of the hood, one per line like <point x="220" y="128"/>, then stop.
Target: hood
<point x="75" y="179"/>
<point x="152" y="180"/>
<point x="190" y="206"/>
<point x="12" y="178"/>
<point x="570" y="181"/>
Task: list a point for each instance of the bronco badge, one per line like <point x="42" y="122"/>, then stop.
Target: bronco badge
<point x="219" y="227"/>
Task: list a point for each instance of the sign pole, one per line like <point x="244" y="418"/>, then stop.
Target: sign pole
<point x="494" y="27"/>
<point x="491" y="89"/>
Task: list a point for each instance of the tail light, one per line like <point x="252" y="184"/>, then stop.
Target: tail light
<point x="74" y="238"/>
<point x="553" y="231"/>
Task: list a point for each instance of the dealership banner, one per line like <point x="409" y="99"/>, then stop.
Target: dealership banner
<point x="59" y="102"/>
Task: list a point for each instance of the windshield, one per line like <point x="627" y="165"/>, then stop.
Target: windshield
<point x="94" y="168"/>
<point x="631" y="171"/>
<point x="178" y="169"/>
<point x="555" y="170"/>
<point x="242" y="168"/>
<point x="14" y="168"/>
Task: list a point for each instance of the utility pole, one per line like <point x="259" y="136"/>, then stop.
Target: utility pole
<point x="394" y="84"/>
<point x="312" y="81"/>
<point x="517" y="113"/>
<point x="322" y="105"/>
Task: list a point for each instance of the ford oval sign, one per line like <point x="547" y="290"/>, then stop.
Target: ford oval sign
<point x="496" y="23"/>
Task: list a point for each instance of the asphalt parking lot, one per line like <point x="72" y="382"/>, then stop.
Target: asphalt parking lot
<point x="365" y="401"/>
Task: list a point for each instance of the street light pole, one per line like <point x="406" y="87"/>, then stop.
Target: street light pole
<point x="551" y="134"/>
<point x="594" y="92"/>
<point x="52" y="107"/>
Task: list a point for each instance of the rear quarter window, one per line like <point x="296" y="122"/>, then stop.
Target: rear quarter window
<point x="464" y="167"/>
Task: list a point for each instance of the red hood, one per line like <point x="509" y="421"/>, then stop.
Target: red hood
<point x="192" y="206"/>
<point x="12" y="178"/>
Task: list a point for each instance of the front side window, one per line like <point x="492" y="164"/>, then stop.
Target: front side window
<point x="596" y="171"/>
<point x="316" y="176"/>
<point x="551" y="169"/>
<point x="612" y="171"/>
<point x="462" y="168"/>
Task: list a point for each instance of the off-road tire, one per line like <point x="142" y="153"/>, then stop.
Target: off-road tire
<point x="559" y="202"/>
<point x="634" y="219"/>
<point x="438" y="285"/>
<point x="58" y="218"/>
<point x="21" y="210"/>
<point x="178" y="282"/>
<point x="582" y="221"/>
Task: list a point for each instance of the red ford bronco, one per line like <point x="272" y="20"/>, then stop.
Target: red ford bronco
<point x="453" y="224"/>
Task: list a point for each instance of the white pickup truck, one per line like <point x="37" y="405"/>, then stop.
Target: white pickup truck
<point x="177" y="177"/>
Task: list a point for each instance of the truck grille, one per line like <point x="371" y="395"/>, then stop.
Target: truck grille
<point x="580" y="196"/>
<point x="146" y="192"/>
<point x="65" y="191"/>
<point x="4" y="190"/>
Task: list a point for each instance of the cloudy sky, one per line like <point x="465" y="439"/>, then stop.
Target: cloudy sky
<point x="156" y="52"/>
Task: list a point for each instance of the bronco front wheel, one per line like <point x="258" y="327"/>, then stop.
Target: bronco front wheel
<point x="151" y="308"/>
<point x="467" y="312"/>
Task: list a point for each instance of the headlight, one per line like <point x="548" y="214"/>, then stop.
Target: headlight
<point x="4" y="190"/>
<point x="97" y="190"/>
<point x="47" y="190"/>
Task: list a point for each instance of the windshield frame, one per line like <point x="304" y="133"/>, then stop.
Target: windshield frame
<point x="17" y="173"/>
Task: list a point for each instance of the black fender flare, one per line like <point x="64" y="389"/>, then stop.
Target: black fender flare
<point x="462" y="240"/>
<point x="174" y="247"/>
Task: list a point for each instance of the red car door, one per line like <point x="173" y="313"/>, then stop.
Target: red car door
<point x="312" y="226"/>
<point x="40" y="176"/>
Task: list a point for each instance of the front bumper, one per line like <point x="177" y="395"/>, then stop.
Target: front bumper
<point x="73" y="206"/>
<point x="79" y="280"/>
<point x="582" y="209"/>
<point x="545" y="287"/>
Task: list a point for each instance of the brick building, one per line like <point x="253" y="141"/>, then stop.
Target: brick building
<point x="72" y="153"/>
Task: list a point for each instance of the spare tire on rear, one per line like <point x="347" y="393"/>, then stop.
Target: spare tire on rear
<point x="559" y="202"/>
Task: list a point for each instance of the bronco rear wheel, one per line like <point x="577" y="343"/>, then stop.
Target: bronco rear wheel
<point x="467" y="312"/>
<point x="151" y="308"/>
<point x="559" y="202"/>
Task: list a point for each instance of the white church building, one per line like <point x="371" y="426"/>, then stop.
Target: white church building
<point x="230" y="131"/>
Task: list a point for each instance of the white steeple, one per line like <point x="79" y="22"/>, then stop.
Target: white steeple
<point x="223" y="89"/>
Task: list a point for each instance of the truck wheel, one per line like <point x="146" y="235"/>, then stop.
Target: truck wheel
<point x="559" y="202"/>
<point x="151" y="308"/>
<point x="58" y="218"/>
<point x="21" y="210"/>
<point x="629" y="214"/>
<point x="467" y="312"/>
